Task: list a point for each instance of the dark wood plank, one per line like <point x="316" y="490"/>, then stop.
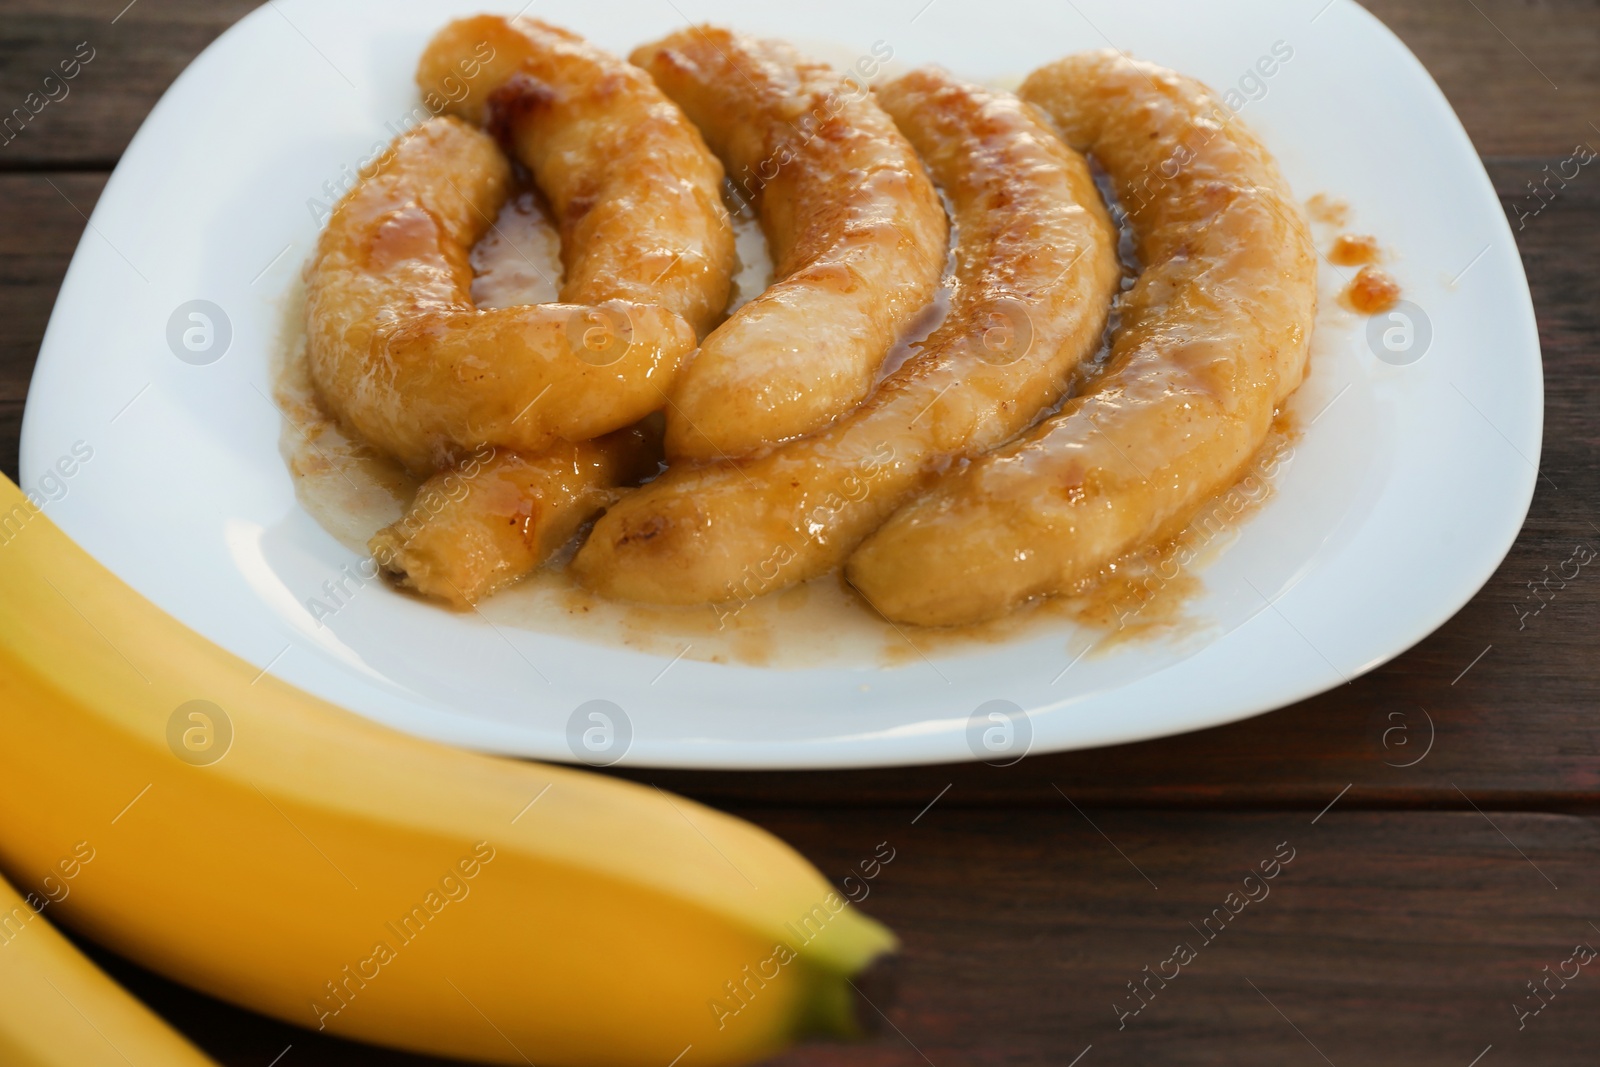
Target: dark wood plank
<point x="1524" y="75"/>
<point x="10" y="434"/>
<point x="45" y="217"/>
<point x="1389" y="938"/>
<point x="1487" y="56"/>
<point x="132" y="61"/>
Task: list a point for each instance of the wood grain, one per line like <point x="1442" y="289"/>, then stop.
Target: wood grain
<point x="135" y="58"/>
<point x="1421" y="896"/>
<point x="1524" y="75"/>
<point x="36" y="244"/>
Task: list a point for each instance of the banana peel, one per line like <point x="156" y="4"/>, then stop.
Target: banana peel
<point x="278" y="852"/>
<point x="57" y="1009"/>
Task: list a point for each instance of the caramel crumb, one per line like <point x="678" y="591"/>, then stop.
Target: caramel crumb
<point x="1352" y="250"/>
<point x="1372" y="292"/>
<point x="1323" y="208"/>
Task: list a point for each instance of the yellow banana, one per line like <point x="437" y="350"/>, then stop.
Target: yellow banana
<point x="57" y="1009"/>
<point x="281" y="853"/>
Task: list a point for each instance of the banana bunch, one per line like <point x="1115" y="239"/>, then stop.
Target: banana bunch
<point x="57" y="1009"/>
<point x="278" y="852"/>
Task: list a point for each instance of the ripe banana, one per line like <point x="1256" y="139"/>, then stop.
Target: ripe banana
<point x="278" y="852"/>
<point x="57" y="1009"/>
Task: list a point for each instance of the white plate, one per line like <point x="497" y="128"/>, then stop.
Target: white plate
<point x="1396" y="507"/>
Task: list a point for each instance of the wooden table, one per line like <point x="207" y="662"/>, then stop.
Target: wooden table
<point x="1420" y="898"/>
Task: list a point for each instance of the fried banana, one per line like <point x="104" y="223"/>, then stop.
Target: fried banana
<point x="857" y="234"/>
<point x="1036" y="267"/>
<point x="1213" y="337"/>
<point x="629" y="181"/>
<point x="499" y="515"/>
<point x="397" y="349"/>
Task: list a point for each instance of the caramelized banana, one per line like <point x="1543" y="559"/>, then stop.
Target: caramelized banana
<point x="1213" y="336"/>
<point x="398" y="350"/>
<point x="499" y="515"/>
<point x="857" y="234"/>
<point x="1035" y="271"/>
<point x="636" y="194"/>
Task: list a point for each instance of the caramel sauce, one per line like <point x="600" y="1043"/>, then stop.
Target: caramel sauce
<point x="1146" y="594"/>
<point x="931" y="317"/>
<point x="409" y="233"/>
<point x="1354" y="250"/>
<point x="350" y="488"/>
<point x="1328" y="210"/>
<point x="1372" y="292"/>
<point x="754" y="271"/>
<point x="519" y="260"/>
<point x="352" y="492"/>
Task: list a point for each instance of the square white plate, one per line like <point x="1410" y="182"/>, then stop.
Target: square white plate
<point x="1410" y="480"/>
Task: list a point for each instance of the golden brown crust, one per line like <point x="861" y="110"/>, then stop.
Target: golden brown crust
<point x="857" y="234"/>
<point x="1213" y="336"/>
<point x="498" y="515"/>
<point x="398" y="351"/>
<point x="1037" y="257"/>
<point x="636" y="193"/>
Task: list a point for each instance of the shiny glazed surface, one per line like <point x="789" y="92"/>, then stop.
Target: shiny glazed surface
<point x="1213" y="337"/>
<point x="1035" y="270"/>
<point x="492" y="519"/>
<point x="400" y="353"/>
<point x="857" y="234"/>
<point x="397" y="347"/>
<point x="629" y="181"/>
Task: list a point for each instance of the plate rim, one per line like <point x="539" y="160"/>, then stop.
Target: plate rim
<point x="836" y="752"/>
